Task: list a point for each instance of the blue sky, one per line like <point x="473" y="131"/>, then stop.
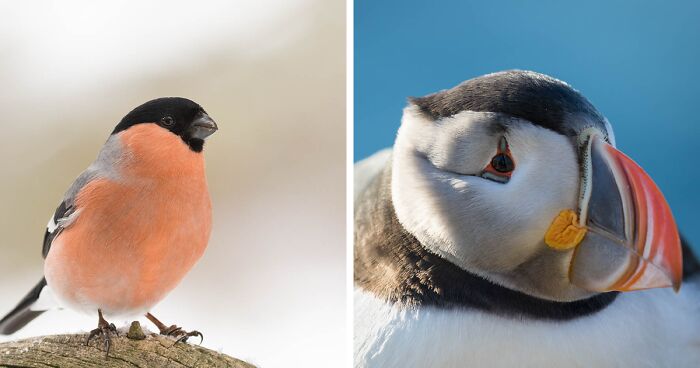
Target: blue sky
<point x="636" y="61"/>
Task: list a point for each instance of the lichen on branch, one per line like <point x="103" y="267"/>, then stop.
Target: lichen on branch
<point x="68" y="351"/>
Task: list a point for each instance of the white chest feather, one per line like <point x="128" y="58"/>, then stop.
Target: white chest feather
<point x="655" y="328"/>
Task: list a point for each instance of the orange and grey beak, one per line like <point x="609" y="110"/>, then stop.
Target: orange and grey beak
<point x="631" y="241"/>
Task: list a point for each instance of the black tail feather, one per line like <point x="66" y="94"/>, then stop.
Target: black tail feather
<point x="22" y="315"/>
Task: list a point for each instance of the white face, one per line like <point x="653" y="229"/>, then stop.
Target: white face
<point x="482" y="225"/>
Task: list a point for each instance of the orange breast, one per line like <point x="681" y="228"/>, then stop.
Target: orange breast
<point x="137" y="236"/>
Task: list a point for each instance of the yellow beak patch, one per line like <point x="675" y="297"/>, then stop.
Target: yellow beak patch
<point x="564" y="232"/>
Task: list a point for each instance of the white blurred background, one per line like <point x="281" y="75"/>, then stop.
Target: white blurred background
<point x="270" y="289"/>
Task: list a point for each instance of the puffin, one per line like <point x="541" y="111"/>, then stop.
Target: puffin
<point x="505" y="229"/>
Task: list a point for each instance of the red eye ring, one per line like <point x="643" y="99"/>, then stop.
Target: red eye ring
<point x="502" y="165"/>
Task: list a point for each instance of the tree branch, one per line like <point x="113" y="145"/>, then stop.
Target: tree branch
<point x="69" y="351"/>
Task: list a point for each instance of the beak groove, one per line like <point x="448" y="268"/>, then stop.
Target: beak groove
<point x="633" y="241"/>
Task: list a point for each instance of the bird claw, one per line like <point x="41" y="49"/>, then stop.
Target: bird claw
<point x="104" y="329"/>
<point x="189" y="334"/>
<point x="181" y="334"/>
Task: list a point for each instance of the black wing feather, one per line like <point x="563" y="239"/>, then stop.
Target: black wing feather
<point x="62" y="211"/>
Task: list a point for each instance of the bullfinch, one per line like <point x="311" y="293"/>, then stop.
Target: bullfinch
<point x="131" y="225"/>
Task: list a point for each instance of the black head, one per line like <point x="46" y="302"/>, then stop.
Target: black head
<point x="182" y="117"/>
<point x="535" y="97"/>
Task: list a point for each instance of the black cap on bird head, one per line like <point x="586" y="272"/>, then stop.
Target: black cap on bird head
<point x="535" y="97"/>
<point x="183" y="117"/>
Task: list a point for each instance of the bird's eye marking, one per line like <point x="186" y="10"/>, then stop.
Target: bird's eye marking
<point x="502" y="164"/>
<point x="167" y="121"/>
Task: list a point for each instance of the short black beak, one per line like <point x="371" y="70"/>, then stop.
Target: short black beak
<point x="202" y="127"/>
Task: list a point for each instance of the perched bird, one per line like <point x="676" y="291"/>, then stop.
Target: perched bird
<point x="132" y="225"/>
<point x="504" y="229"/>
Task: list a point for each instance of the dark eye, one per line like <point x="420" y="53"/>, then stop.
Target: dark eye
<point x="501" y="166"/>
<point x="502" y="163"/>
<point x="167" y="121"/>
